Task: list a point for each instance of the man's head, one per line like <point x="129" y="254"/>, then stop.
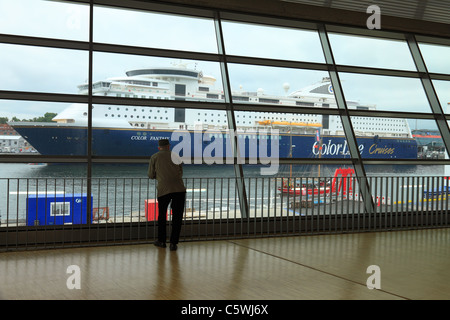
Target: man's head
<point x="163" y="144"/>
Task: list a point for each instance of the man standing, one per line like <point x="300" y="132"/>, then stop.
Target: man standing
<point x="170" y="189"/>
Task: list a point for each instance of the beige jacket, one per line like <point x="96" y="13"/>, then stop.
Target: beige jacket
<point x="168" y="174"/>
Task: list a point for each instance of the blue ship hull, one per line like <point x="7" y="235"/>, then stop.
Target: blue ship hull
<point x="64" y="140"/>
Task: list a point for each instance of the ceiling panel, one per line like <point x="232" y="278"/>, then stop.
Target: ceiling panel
<point x="426" y="10"/>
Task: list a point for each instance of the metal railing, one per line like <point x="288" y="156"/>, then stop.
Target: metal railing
<point x="52" y="212"/>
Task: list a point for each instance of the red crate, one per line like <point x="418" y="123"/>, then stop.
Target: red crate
<point x="151" y="210"/>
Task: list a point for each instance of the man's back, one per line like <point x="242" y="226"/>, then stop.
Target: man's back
<point x="168" y="174"/>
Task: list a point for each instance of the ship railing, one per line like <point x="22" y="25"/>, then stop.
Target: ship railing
<point x="34" y="210"/>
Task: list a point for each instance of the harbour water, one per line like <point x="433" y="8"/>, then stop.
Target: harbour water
<point x="39" y="170"/>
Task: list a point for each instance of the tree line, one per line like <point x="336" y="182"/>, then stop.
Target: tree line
<point x="47" y="117"/>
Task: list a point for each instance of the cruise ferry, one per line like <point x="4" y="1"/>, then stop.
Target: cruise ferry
<point x="134" y="131"/>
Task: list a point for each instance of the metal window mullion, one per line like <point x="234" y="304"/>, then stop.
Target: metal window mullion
<point x="239" y="172"/>
<point x="42" y="42"/>
<point x="345" y="120"/>
<point x="89" y="133"/>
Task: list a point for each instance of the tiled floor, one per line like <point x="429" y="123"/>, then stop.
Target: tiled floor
<point x="412" y="265"/>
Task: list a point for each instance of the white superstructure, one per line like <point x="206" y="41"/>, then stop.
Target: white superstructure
<point x="191" y="85"/>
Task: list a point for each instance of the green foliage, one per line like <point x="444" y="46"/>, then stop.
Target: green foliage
<point x="48" y="116"/>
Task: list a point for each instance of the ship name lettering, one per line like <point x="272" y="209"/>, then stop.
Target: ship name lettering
<point x="374" y="150"/>
<point x="157" y="138"/>
<point x="333" y="149"/>
<point x="138" y="137"/>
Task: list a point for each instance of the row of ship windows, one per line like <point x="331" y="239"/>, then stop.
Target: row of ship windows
<point x="237" y="121"/>
<point x="126" y="95"/>
<point x="262" y="118"/>
<point x="380" y="124"/>
<point x="279" y="118"/>
<point x="244" y="136"/>
<point x="366" y="125"/>
<point x="225" y="135"/>
<point x="126" y="109"/>
<point x="365" y="128"/>
<point x="400" y="122"/>
<point x="131" y="116"/>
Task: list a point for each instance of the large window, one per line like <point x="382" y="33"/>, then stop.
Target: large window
<point x="47" y="19"/>
<point x="260" y="41"/>
<point x="167" y="90"/>
<point x="151" y="29"/>
<point x="436" y="57"/>
<point x="45" y="128"/>
<point x="144" y="77"/>
<point x="236" y="97"/>
<point x="385" y="93"/>
<point x="371" y="52"/>
<point x="443" y="91"/>
<point x="41" y="69"/>
<point x="281" y="86"/>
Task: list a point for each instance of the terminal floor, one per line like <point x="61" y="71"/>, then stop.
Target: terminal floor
<point x="413" y="265"/>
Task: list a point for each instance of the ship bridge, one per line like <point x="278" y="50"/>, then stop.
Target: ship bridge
<point x="164" y="72"/>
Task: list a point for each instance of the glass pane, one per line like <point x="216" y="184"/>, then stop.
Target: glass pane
<point x="48" y="19"/>
<point x="404" y="170"/>
<point x="384" y="93"/>
<point x="147" y="29"/>
<point x="155" y="78"/>
<point x="281" y="86"/>
<point x="395" y="138"/>
<point x="39" y="69"/>
<point x="442" y="89"/>
<point x="414" y="189"/>
<point x="371" y="52"/>
<point x="436" y="57"/>
<point x="265" y="137"/>
<point x="125" y="193"/>
<point x="42" y="194"/>
<point x="303" y="190"/>
<point x="44" y="127"/>
<point x="279" y="43"/>
<point x="135" y="131"/>
<point x="299" y="135"/>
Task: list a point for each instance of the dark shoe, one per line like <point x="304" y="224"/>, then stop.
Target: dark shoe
<point x="173" y="247"/>
<point x="159" y="244"/>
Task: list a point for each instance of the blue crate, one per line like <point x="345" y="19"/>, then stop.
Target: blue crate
<point x="57" y="209"/>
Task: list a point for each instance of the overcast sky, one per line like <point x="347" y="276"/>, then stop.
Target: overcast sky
<point x="60" y="71"/>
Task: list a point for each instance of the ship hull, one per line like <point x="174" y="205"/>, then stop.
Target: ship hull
<point x="68" y="140"/>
